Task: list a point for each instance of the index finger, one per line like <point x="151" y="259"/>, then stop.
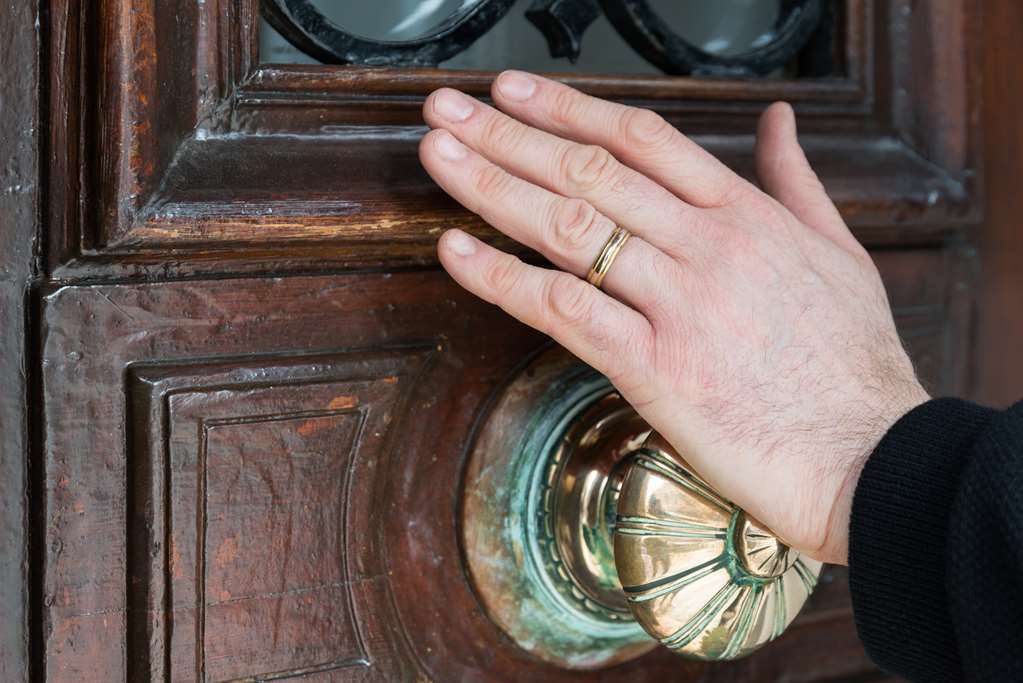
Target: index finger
<point x="638" y="137"/>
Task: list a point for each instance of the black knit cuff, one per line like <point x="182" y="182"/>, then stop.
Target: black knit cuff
<point x="897" y="537"/>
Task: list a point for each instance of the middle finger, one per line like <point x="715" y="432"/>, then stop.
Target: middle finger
<point x="584" y="171"/>
<point x="569" y="232"/>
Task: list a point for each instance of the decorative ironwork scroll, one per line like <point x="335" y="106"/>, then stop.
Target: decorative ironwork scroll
<point x="562" y="22"/>
<point x="653" y="38"/>
<point x="308" y="29"/>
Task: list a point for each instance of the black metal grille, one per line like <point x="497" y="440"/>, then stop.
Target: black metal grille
<point x="563" y="23"/>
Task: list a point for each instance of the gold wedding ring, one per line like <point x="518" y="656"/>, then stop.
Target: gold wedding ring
<point x="619" y="236"/>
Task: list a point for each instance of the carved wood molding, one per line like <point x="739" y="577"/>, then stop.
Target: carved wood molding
<point x="191" y="157"/>
<point x="206" y="479"/>
<point x="168" y="406"/>
<point x="164" y="440"/>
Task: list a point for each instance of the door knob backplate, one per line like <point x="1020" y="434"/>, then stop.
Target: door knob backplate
<point x="552" y="440"/>
<point x="567" y="496"/>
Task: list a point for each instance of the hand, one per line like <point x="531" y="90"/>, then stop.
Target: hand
<point x="748" y="327"/>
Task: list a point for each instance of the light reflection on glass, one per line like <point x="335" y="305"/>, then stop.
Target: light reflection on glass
<point x="722" y="27"/>
<point x="392" y="20"/>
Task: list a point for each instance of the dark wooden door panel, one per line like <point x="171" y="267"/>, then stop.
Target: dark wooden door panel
<point x="187" y="155"/>
<point x="247" y="496"/>
<point x="21" y="163"/>
<point x="261" y="478"/>
<point x="216" y="461"/>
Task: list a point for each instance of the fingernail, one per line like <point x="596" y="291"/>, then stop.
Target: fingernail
<point x="453" y="106"/>
<point x="448" y="147"/>
<point x="516" y="85"/>
<point x="460" y="243"/>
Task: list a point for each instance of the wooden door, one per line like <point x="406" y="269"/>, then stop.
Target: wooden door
<point x="240" y="390"/>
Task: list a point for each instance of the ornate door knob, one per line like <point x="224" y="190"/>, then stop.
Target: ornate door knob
<point x="699" y="574"/>
<point x="585" y="534"/>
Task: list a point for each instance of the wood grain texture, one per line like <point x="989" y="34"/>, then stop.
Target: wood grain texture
<point x="15" y="487"/>
<point x="20" y="201"/>
<point x="244" y="489"/>
<point x="999" y="364"/>
<point x="131" y="375"/>
<point x="245" y="344"/>
<point x="87" y="603"/>
<point x="209" y="162"/>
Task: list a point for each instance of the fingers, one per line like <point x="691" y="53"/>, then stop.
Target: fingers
<point x="603" y="332"/>
<point x="570" y="232"/>
<point x="786" y="175"/>
<point x="585" y="171"/>
<point x="638" y="137"/>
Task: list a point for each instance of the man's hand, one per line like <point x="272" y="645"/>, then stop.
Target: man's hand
<point x="748" y="327"/>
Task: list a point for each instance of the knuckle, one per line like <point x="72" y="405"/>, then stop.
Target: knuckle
<point x="490" y="181"/>
<point x="564" y="105"/>
<point x="503" y="274"/>
<point x="569" y="301"/>
<point x="573" y="225"/>
<point x="500" y="133"/>
<point x="644" y="129"/>
<point x="628" y="185"/>
<point x="585" y="167"/>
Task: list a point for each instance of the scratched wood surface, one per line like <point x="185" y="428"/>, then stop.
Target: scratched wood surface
<point x="252" y="388"/>
<point x="205" y="161"/>
<point x="255" y="477"/>
<point x="20" y="201"/>
<point x="999" y="364"/>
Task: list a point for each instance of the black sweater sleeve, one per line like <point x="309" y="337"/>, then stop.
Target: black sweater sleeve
<point x="936" y="545"/>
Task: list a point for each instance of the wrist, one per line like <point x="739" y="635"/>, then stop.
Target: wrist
<point x="835" y="549"/>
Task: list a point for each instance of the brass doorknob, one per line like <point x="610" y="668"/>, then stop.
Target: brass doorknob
<point x="699" y="574"/>
<point x="585" y="533"/>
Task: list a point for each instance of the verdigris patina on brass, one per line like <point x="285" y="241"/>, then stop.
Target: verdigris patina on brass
<point x="568" y="496"/>
<point x="550" y="442"/>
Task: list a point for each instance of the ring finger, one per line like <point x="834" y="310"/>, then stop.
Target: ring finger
<point x="568" y="168"/>
<point x="569" y="232"/>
